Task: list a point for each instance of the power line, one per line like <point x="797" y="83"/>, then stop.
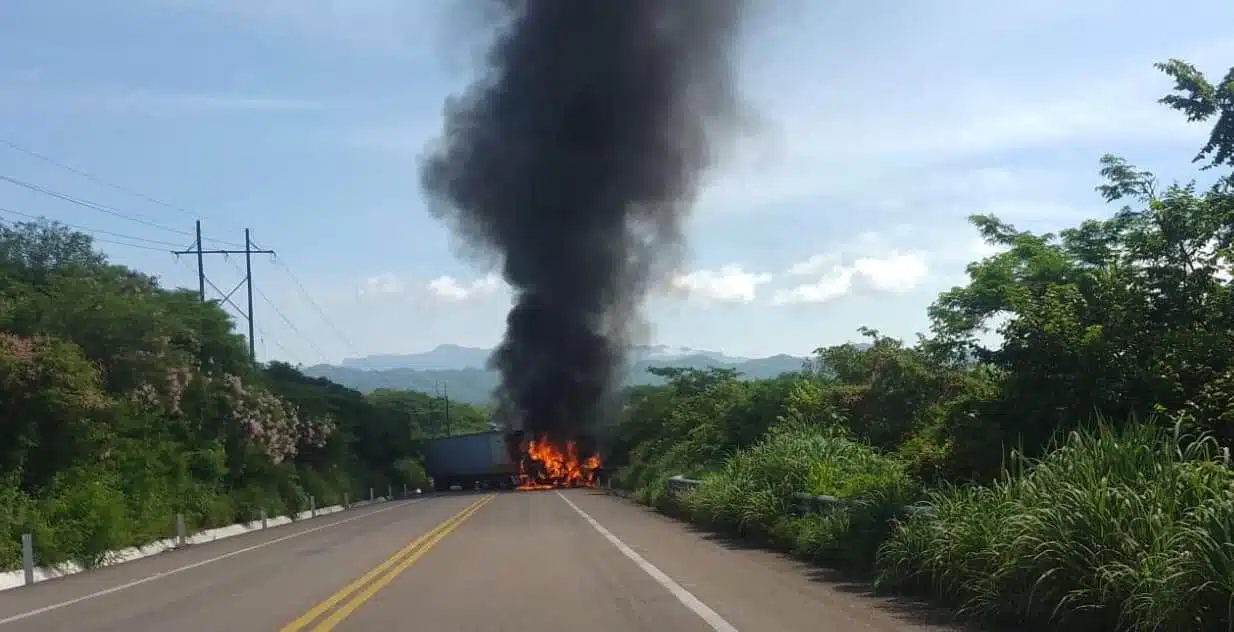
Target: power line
<point x="261" y="335"/>
<point x="104" y="240"/>
<point x="249" y="247"/>
<point x="284" y="317"/>
<point x="96" y="179"/>
<point x="85" y="229"/>
<point x="290" y="324"/>
<point x="102" y="208"/>
<point x="121" y="243"/>
<point x="304" y="293"/>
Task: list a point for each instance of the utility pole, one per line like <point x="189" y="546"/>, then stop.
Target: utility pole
<point x="201" y="268"/>
<point x="446" y="387"/>
<point x="438" y="387"/>
<point x="248" y="282"/>
<point x="248" y="253"/>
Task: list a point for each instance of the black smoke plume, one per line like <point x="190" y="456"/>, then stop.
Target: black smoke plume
<point x="575" y="158"/>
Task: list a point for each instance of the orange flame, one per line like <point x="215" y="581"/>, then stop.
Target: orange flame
<point x="546" y="466"/>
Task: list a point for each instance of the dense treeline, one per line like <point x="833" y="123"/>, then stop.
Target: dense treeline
<point x="1074" y="476"/>
<point x="123" y="404"/>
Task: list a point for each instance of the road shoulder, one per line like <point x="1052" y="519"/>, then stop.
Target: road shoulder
<point x="229" y="578"/>
<point x="754" y="588"/>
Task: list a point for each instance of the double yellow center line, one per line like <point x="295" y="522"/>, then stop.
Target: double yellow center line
<point x="358" y="592"/>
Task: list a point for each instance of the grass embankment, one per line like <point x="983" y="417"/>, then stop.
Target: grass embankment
<point x="88" y="513"/>
<point x="1114" y="530"/>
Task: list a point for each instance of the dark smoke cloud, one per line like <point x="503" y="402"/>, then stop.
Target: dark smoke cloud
<point x="574" y="159"/>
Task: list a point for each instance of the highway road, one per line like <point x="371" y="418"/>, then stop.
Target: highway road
<point x="494" y="562"/>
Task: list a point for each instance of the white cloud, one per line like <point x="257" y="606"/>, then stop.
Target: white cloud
<point x="893" y="273"/>
<point x="385" y="283"/>
<point x="450" y="290"/>
<point x="816" y="265"/>
<point x="730" y="284"/>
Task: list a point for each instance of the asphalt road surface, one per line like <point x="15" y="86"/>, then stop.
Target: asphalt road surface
<point x="505" y="562"/>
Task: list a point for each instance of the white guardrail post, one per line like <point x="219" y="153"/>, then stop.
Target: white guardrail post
<point x="371" y="497"/>
<point x="312" y="506"/>
<point x="181" y="536"/>
<point x="265" y="521"/>
<point x="27" y="556"/>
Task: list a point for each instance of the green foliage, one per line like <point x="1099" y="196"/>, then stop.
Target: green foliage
<point x="1053" y="479"/>
<point x="429" y="416"/>
<point x="1116" y="528"/>
<point x="124" y="404"/>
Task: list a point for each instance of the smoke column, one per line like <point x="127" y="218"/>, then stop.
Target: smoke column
<point x="575" y="159"/>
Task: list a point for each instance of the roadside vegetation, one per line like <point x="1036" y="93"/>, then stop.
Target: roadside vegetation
<point x="1074" y="476"/>
<point x="123" y="404"/>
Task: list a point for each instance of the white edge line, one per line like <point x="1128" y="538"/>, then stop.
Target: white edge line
<point x="687" y="599"/>
<point x="189" y="567"/>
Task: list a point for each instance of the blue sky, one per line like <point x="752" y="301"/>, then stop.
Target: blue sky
<point x="876" y="128"/>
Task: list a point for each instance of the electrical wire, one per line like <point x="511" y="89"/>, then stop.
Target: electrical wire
<point x="304" y="293"/>
<point x="92" y="231"/>
<point x="278" y="312"/>
<point x="103" y="208"/>
<point x="93" y="178"/>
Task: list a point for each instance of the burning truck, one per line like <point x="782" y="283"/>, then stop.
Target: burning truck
<point x="506" y="459"/>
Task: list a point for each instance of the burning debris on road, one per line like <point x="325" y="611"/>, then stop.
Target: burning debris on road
<point x="574" y="161"/>
<point x="546" y="465"/>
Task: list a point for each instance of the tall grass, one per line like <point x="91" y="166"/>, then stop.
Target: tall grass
<point x="1126" y="529"/>
<point x="753" y="494"/>
<point x="1114" y="530"/>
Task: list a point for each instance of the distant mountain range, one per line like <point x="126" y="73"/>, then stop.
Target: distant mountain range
<point x="461" y="370"/>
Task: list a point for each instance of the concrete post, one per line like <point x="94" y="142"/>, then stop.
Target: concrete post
<point x="264" y="519"/>
<point x="405" y="496"/>
<point x="312" y="507"/>
<point x="346" y="501"/>
<point x="181" y="535"/>
<point x="389" y="492"/>
<point x="371" y="497"/>
<point x="27" y="556"/>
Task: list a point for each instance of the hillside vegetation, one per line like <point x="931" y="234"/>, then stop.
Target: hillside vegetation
<point x="1075" y="477"/>
<point x="476" y="386"/>
<point x="123" y="404"/>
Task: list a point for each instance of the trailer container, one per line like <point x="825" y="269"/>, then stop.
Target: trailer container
<point x="472" y="461"/>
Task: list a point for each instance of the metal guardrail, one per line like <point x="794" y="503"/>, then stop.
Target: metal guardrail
<point x="803" y="503"/>
<point x="678" y="484"/>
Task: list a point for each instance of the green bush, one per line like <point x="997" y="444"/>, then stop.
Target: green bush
<point x="1114" y="530"/>
<point x="754" y="494"/>
<point x="411" y="473"/>
<point x="18" y="515"/>
<point x="85" y="517"/>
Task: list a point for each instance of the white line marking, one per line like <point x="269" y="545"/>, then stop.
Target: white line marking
<point x="687" y="599"/>
<point x="189" y="567"/>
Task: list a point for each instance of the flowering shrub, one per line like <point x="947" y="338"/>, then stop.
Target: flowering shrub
<point x="272" y="422"/>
